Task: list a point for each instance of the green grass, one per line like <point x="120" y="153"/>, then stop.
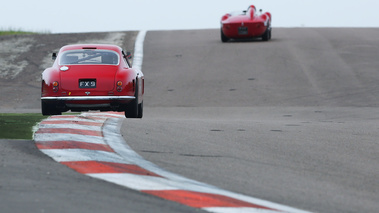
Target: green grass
<point x="19" y="32"/>
<point x="15" y="33"/>
<point x="18" y="126"/>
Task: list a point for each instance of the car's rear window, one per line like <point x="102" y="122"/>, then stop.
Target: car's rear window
<point x="89" y="56"/>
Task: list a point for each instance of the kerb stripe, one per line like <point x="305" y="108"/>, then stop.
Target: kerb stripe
<point x="72" y="145"/>
<point x="70" y="131"/>
<point x="202" y="200"/>
<point x="72" y="122"/>
<point x="87" y="167"/>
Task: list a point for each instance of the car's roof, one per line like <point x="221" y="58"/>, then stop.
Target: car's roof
<point x="91" y="46"/>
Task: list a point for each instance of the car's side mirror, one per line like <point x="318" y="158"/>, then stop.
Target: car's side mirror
<point x="128" y="55"/>
<point x="54" y="56"/>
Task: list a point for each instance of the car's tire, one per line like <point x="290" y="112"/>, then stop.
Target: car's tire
<point x="132" y="108"/>
<point x="267" y="35"/>
<point x="140" y="110"/>
<point x="269" y="38"/>
<point x="223" y="37"/>
<point x="45" y="108"/>
<point x="49" y="109"/>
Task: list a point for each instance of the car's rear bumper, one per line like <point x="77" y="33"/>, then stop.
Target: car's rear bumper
<point x="252" y="30"/>
<point x="85" y="103"/>
<point x="89" y="98"/>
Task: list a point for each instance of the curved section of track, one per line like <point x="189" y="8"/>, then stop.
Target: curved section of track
<point x="91" y="144"/>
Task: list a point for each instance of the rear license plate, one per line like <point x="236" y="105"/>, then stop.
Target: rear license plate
<point x="242" y="31"/>
<point x="87" y="83"/>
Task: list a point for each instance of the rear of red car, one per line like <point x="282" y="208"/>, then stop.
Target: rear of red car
<point x="246" y="24"/>
<point x="91" y="77"/>
<point x="243" y="29"/>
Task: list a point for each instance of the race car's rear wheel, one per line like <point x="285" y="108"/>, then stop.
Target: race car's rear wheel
<point x="267" y="35"/>
<point x="49" y="109"/>
<point x="269" y="38"/>
<point x="223" y="37"/>
<point x="140" y="110"/>
<point x="133" y="107"/>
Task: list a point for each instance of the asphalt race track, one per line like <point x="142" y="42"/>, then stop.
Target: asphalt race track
<point x="294" y="121"/>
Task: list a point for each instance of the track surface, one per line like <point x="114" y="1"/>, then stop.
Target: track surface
<point x="294" y="121"/>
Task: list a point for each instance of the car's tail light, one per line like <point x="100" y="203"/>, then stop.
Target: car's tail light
<point x="119" y="86"/>
<point x="225" y="17"/>
<point x="55" y="86"/>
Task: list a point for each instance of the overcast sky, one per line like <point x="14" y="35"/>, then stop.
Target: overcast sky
<point x="123" y="15"/>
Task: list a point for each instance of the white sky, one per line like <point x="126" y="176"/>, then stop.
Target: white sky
<point x="122" y="15"/>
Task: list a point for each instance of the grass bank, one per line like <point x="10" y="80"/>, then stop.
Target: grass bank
<point x="15" y="32"/>
<point x="18" y="126"/>
<point x="19" y="32"/>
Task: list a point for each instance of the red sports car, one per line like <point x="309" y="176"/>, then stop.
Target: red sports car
<point x="92" y="77"/>
<point x="245" y="25"/>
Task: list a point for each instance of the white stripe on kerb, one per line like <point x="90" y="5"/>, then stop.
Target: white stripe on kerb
<point x="71" y="126"/>
<point x="65" y="155"/>
<point x="74" y="119"/>
<point x="68" y="137"/>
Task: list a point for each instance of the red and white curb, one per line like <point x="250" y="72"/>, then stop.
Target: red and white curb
<point x="90" y="143"/>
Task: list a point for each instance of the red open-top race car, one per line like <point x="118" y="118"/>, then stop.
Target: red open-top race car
<point x="92" y="77"/>
<point x="246" y="25"/>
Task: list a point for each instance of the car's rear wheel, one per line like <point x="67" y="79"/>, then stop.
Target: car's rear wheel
<point x="133" y="107"/>
<point x="140" y="110"/>
<point x="267" y="35"/>
<point x="224" y="38"/>
<point x="269" y="38"/>
<point x="49" y="109"/>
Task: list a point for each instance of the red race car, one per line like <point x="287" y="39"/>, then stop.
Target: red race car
<point x="246" y="25"/>
<point x="92" y="77"/>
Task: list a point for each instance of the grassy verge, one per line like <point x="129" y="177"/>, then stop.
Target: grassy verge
<point x="11" y="32"/>
<point x="19" y="32"/>
<point x="18" y="126"/>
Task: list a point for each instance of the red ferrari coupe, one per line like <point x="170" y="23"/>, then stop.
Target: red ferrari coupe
<point x="246" y="25"/>
<point x="92" y="77"/>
